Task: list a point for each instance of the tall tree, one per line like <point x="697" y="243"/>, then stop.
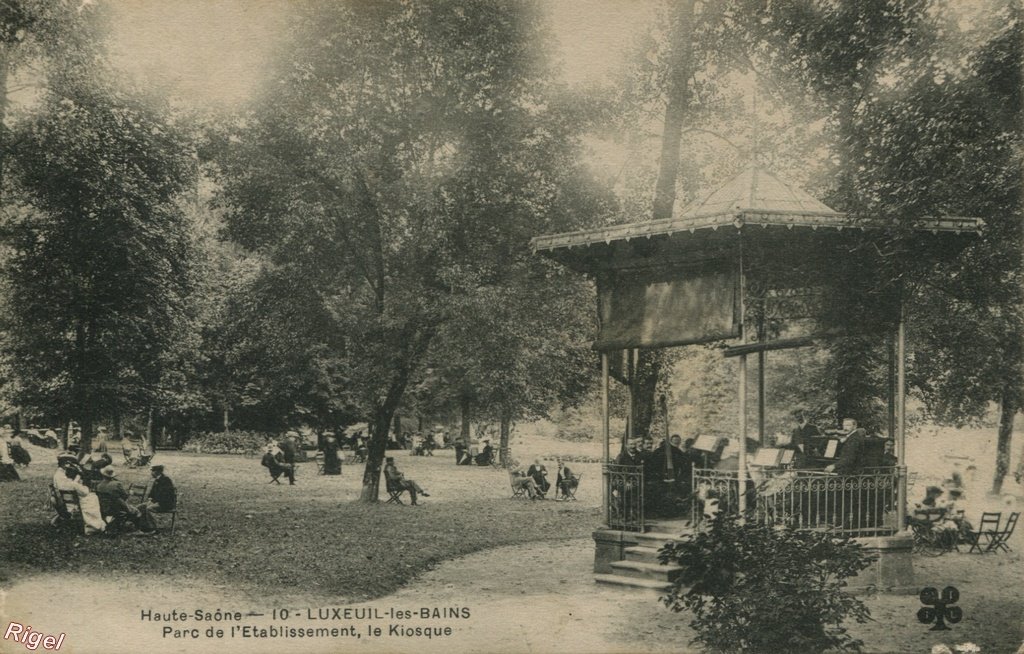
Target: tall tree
<point x="361" y="170"/>
<point x="100" y="274"/>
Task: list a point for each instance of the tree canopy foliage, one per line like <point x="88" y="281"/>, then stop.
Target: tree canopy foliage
<point x="397" y="164"/>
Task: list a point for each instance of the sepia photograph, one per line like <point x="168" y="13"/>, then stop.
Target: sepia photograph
<point x="511" y="326"/>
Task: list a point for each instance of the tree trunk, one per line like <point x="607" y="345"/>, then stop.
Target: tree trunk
<point x="227" y="419"/>
<point x="4" y="73"/>
<point x="379" y="426"/>
<point x="148" y="445"/>
<point x="464" y="409"/>
<point x="503" y="447"/>
<point x="85" y="424"/>
<point x="645" y="386"/>
<point x="676" y="109"/>
<point x="1007" y="412"/>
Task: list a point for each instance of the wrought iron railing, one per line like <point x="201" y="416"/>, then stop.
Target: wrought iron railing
<point x="863" y="504"/>
<point x="624" y="485"/>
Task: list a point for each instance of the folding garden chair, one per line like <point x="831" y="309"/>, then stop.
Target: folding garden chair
<point x="1000" y="539"/>
<point x="569" y="490"/>
<point x="518" y="490"/>
<point x="172" y="512"/>
<point x="985" y="535"/>
<point x="73" y="509"/>
<point x="319" y="459"/>
<point x="394" y="492"/>
<point x="137" y="493"/>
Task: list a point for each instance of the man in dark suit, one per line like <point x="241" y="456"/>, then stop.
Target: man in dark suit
<point x="852" y="449"/>
<point x="114" y="504"/>
<point x="161" y="496"/>
<point x="804" y="431"/>
<point x="539" y="474"/>
<point x="567" y="482"/>
<point x="629" y="456"/>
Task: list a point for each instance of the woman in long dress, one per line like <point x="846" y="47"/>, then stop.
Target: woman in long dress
<point x="332" y="462"/>
<point x="67" y="479"/>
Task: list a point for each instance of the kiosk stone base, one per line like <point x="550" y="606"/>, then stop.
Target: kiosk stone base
<point x="629" y="558"/>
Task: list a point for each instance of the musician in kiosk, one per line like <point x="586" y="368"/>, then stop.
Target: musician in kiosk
<point x="804" y="431"/>
<point x="852" y="449"/>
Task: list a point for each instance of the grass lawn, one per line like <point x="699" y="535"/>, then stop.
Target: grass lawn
<point x="237" y="530"/>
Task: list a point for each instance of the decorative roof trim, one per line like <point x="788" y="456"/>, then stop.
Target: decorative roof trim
<point x="762" y="218"/>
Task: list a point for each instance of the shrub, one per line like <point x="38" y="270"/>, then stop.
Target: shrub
<point x="754" y="588"/>
<point x="226" y="442"/>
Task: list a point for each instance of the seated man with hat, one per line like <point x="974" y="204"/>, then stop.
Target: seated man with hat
<point x="114" y="504"/>
<point x="395" y="478"/>
<point x="161" y="495"/>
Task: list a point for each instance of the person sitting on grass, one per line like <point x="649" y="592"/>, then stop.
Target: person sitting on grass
<point x="398" y="480"/>
<point x="539" y="474"/>
<point x="114" y="505"/>
<point x="521" y="479"/>
<point x="567" y="482"/>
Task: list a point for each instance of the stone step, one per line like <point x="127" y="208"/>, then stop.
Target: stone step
<point x="654" y="538"/>
<point x="645" y="570"/>
<point x="641" y="553"/>
<point x="633" y="582"/>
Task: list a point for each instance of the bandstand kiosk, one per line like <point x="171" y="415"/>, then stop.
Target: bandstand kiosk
<point x="758" y="265"/>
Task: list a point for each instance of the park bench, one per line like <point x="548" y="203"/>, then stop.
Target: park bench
<point x="987" y="531"/>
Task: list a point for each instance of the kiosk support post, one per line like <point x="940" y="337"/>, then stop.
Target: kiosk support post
<point x="742" y="472"/>
<point x="901" y="417"/>
<point x="605" y="427"/>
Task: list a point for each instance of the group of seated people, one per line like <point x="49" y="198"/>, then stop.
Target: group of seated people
<point x="535" y="481"/>
<point x="942" y="510"/>
<point x="847" y="450"/>
<point x="103" y="499"/>
<point x="471" y="455"/>
<point x="423" y="445"/>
